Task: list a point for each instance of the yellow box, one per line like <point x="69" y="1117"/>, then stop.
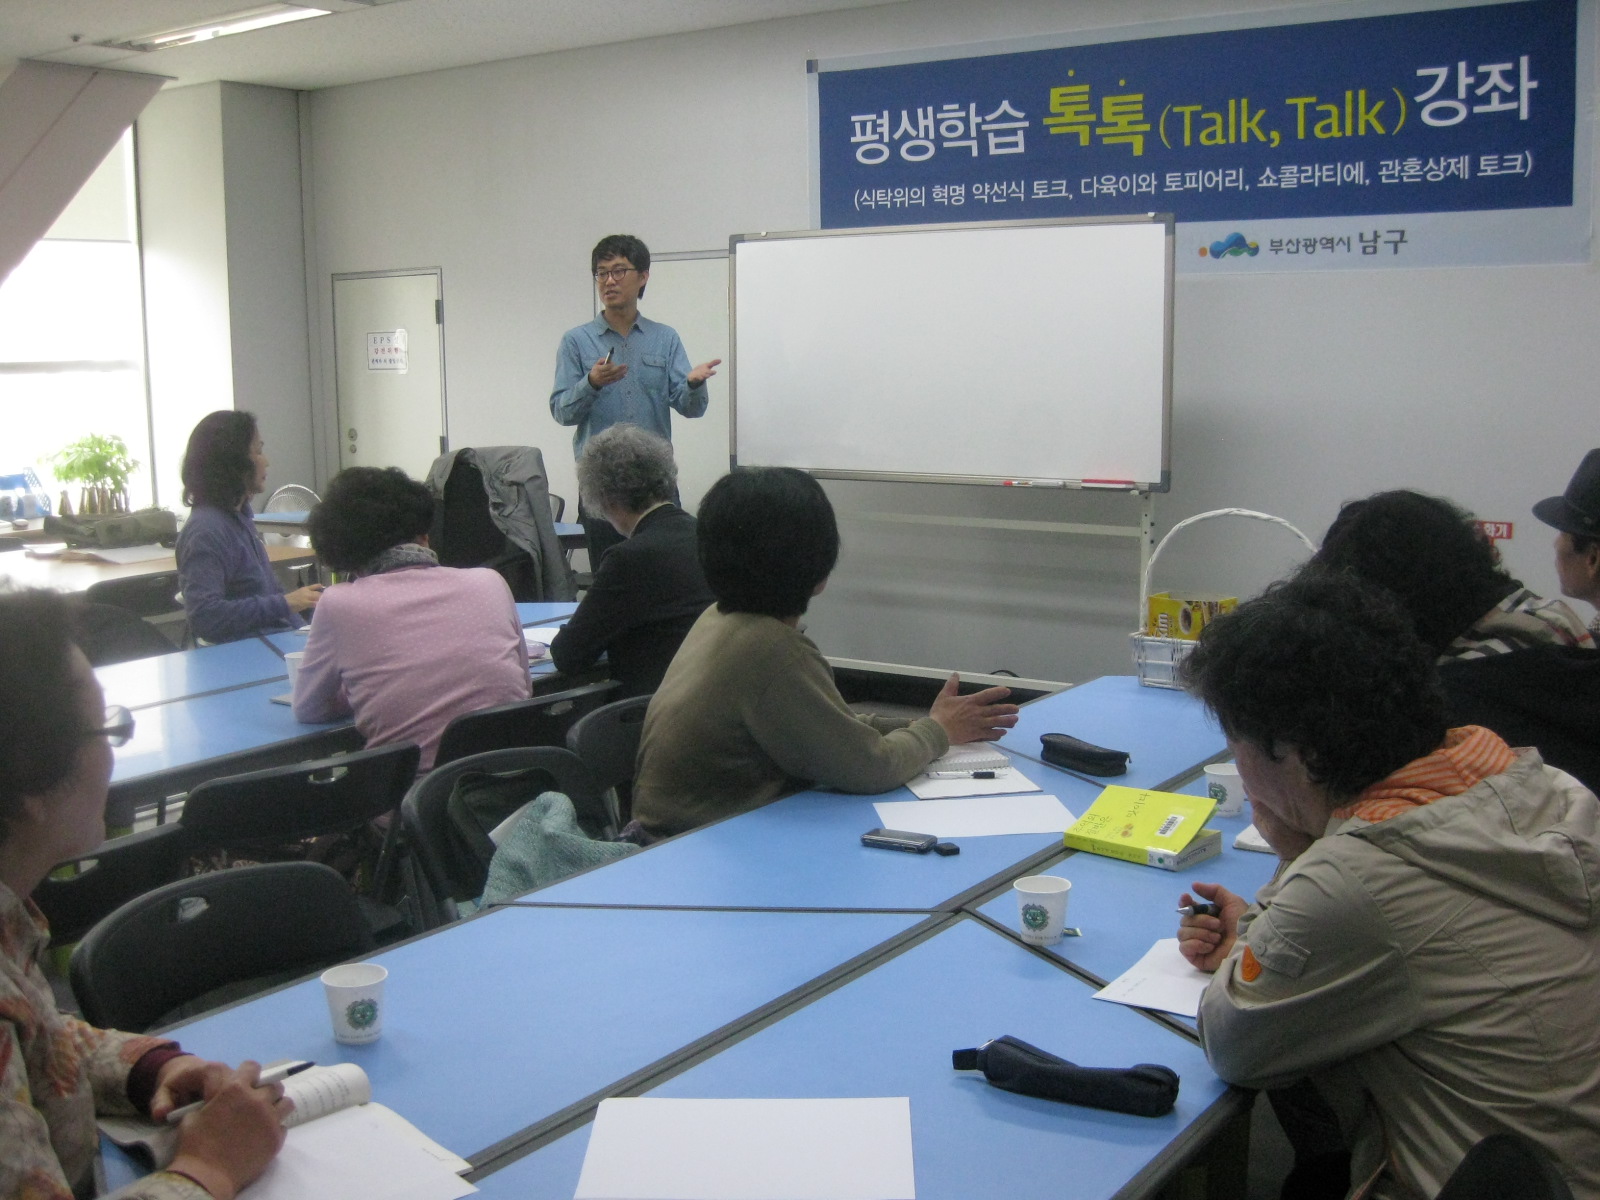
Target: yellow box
<point x="1184" y="616"/>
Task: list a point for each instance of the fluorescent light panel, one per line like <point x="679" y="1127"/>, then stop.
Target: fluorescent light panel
<point x="239" y="22"/>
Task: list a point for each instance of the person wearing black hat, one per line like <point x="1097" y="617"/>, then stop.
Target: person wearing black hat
<point x="1576" y="516"/>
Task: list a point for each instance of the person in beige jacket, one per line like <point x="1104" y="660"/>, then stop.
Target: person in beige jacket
<point x="1427" y="955"/>
<point x="748" y="710"/>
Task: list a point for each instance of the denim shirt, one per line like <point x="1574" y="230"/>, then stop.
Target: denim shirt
<point x="657" y="380"/>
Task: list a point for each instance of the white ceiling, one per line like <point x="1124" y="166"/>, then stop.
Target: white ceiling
<point x="360" y="41"/>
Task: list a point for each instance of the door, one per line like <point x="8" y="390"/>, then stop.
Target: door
<point x="388" y="338"/>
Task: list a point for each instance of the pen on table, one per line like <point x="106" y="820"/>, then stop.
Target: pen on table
<point x="1200" y="909"/>
<point x="270" y="1076"/>
<point x="961" y="775"/>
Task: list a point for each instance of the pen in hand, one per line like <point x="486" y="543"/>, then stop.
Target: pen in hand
<point x="1200" y="909"/>
<point x="270" y="1076"/>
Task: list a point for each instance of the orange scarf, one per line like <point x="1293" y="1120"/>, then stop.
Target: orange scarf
<point x="1468" y="756"/>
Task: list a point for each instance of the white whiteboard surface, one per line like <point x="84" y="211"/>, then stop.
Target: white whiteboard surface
<point x="976" y="353"/>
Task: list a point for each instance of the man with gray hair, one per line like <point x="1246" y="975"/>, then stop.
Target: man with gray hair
<point x="649" y="589"/>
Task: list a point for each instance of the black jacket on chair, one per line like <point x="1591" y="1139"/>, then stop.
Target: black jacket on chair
<point x="647" y="593"/>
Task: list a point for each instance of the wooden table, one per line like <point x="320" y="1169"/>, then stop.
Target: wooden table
<point x="63" y="576"/>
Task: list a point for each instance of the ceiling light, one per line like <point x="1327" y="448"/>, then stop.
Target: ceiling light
<point x="239" y="22"/>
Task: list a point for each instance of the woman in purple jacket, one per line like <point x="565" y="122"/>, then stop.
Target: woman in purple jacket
<point x="229" y="589"/>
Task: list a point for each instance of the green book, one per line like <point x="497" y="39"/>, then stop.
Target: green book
<point x="1158" y="829"/>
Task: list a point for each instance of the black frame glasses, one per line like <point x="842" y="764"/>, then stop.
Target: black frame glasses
<point x="617" y="273"/>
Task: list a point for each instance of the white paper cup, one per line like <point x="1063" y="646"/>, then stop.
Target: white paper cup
<point x="1226" y="788"/>
<point x="292" y="660"/>
<point x="1041" y="908"/>
<point x="355" y="1001"/>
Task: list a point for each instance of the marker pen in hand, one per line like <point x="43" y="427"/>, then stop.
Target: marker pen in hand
<point x="1200" y="909"/>
<point x="270" y="1076"/>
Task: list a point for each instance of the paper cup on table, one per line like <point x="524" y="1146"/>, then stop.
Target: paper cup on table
<point x="292" y="660"/>
<point x="1226" y="788"/>
<point x="1042" y="907"/>
<point x="355" y="1001"/>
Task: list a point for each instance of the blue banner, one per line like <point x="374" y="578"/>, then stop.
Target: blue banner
<point x="1463" y="110"/>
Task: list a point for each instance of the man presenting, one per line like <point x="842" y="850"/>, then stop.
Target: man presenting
<point x="622" y="367"/>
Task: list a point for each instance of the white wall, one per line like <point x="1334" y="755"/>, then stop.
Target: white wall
<point x="219" y="207"/>
<point x="1291" y="392"/>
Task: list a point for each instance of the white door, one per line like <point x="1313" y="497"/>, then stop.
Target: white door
<point x="388" y="335"/>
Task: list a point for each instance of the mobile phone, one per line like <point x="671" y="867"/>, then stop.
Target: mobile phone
<point x="899" y="839"/>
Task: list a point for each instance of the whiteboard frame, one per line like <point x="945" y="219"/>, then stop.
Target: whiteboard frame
<point x="1142" y="486"/>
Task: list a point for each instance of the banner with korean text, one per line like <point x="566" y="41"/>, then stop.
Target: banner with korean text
<point x="1443" y="137"/>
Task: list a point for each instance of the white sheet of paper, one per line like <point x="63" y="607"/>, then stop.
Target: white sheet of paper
<point x="128" y="554"/>
<point x="1004" y="783"/>
<point x="365" y="1151"/>
<point x="658" y="1149"/>
<point x="543" y="634"/>
<point x="1162" y="979"/>
<point x="976" y="816"/>
<point x="1250" y="839"/>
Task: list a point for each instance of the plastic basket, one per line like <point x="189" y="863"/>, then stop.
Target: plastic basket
<point x="1156" y="660"/>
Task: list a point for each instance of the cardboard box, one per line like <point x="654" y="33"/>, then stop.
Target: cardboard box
<point x="1184" y="615"/>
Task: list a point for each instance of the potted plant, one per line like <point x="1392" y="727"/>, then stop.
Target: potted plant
<point x="101" y="466"/>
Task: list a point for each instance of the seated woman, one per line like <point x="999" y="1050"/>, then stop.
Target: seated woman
<point x="649" y="589"/>
<point x="1429" y="953"/>
<point x="748" y="711"/>
<point x="57" y="1073"/>
<point x="408" y="645"/>
<point x="229" y="590"/>
<point x="1447" y="575"/>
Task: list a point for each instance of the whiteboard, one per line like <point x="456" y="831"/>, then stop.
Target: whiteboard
<point x="981" y="353"/>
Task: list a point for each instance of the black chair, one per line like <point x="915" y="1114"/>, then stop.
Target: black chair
<point x="448" y="840"/>
<point x="607" y="740"/>
<point x="177" y="946"/>
<point x="267" y="809"/>
<point x="558" y="506"/>
<point x="103" y="881"/>
<point x="465" y="535"/>
<point x="107" y="633"/>
<point x="541" y="721"/>
<point x="147" y="595"/>
<point x="1506" y="1166"/>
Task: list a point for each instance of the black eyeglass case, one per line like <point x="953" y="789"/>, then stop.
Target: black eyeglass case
<point x="1074" y="754"/>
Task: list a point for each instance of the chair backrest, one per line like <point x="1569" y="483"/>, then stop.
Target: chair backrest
<point x="607" y="739"/>
<point x="113" y="874"/>
<point x="146" y="595"/>
<point x="108" y="633"/>
<point x="558" y="506"/>
<point x="449" y="837"/>
<point x="182" y="941"/>
<point x="330" y="795"/>
<point x="541" y="721"/>
<point x="1506" y="1166"/>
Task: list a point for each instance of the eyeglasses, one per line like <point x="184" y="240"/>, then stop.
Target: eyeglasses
<point x="614" y="273"/>
<point x="118" y="727"/>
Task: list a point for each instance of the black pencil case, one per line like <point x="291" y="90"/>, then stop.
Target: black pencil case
<point x="1145" y="1090"/>
<point x="1061" y="750"/>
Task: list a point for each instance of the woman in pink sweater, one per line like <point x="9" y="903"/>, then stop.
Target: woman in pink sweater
<point x="408" y="645"/>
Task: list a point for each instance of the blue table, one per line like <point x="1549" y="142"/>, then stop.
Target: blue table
<point x="164" y="678"/>
<point x="1167" y="732"/>
<point x="890" y="1031"/>
<point x="543" y="612"/>
<point x="805" y="851"/>
<point x="501" y="1022"/>
<point x="1123" y="907"/>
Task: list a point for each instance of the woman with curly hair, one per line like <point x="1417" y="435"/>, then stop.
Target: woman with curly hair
<point x="229" y="589"/>
<point x="406" y="645"/>
<point x="1428" y="955"/>
<point x="1434" y="559"/>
